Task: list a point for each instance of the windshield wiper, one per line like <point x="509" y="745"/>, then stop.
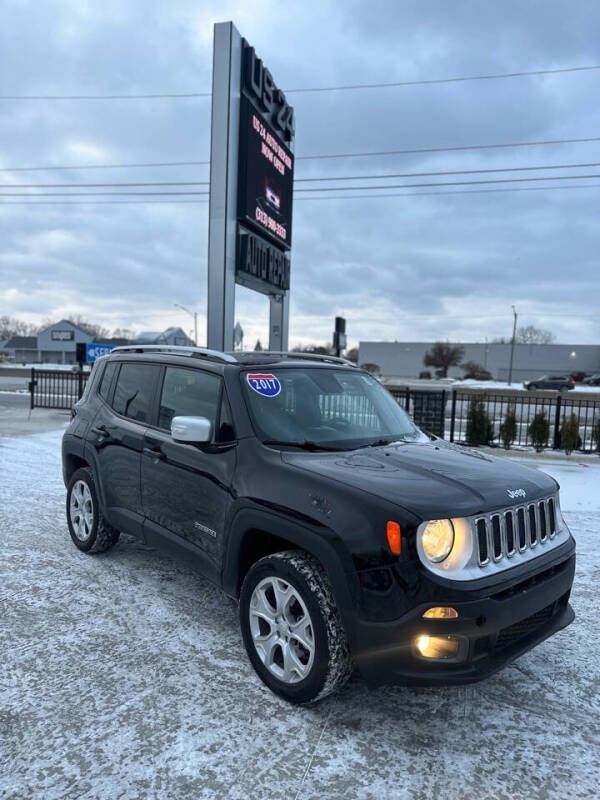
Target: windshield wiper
<point x="380" y="442"/>
<point x="304" y="445"/>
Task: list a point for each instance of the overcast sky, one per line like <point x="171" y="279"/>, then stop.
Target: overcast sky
<point x="402" y="267"/>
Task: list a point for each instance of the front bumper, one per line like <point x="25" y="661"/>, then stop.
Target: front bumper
<point x="497" y="627"/>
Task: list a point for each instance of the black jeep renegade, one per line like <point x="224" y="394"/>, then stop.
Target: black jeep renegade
<point x="349" y="536"/>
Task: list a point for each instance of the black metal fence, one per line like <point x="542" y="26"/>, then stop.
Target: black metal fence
<point x="56" y="388"/>
<point x="446" y="412"/>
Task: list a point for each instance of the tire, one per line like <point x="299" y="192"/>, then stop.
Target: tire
<point x="89" y="530"/>
<point x="307" y="608"/>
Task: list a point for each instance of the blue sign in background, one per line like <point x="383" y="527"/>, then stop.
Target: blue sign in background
<point x="94" y="350"/>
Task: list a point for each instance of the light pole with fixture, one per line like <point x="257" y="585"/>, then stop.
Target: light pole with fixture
<point x="193" y="314"/>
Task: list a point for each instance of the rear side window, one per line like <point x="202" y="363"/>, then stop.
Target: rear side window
<point x="134" y="391"/>
<point x="188" y="393"/>
<point x="106" y="380"/>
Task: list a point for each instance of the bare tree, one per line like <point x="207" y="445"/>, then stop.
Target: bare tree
<point x="532" y="335"/>
<point x="442" y="356"/>
<point x="352" y="355"/>
<point x="122" y="333"/>
<point x="97" y="331"/>
<point x="10" y="326"/>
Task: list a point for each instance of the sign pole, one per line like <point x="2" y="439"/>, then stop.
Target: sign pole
<point x="222" y="208"/>
<point x="251" y="155"/>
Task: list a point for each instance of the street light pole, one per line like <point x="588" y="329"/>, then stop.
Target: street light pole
<point x="512" y="345"/>
<point x="193" y="314"/>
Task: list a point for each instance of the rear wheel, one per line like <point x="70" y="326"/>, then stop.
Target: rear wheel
<point x="89" y="530"/>
<point x="292" y="629"/>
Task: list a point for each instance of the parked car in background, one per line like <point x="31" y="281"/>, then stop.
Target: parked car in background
<point x="592" y="380"/>
<point x="561" y="382"/>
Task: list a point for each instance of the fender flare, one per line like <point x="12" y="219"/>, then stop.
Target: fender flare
<point x="323" y="544"/>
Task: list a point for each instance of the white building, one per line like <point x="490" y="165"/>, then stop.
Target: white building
<point x="406" y="359"/>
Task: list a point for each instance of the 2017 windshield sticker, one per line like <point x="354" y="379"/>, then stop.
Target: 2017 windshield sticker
<point x="264" y="383"/>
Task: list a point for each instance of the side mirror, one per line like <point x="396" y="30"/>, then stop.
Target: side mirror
<point x="194" y="430"/>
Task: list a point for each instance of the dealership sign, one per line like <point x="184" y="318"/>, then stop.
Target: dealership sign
<point x="251" y="189"/>
<point x="94" y="350"/>
<point x="265" y="176"/>
<point x="62" y="336"/>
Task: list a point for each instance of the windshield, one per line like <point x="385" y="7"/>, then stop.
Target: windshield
<point x="324" y="409"/>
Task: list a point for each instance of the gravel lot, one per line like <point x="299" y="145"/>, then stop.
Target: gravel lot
<point x="123" y="676"/>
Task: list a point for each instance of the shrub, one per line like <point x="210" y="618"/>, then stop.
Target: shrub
<point x="569" y="433"/>
<point x="474" y="371"/>
<point x="539" y="431"/>
<point x="508" y="429"/>
<point x="596" y="435"/>
<point x="479" y="426"/>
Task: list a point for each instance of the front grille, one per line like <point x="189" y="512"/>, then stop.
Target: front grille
<point x="524" y="627"/>
<point x="502" y="533"/>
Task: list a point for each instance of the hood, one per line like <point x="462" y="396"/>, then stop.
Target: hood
<point x="430" y="479"/>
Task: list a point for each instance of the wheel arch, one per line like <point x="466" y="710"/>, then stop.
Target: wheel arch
<point x="255" y="534"/>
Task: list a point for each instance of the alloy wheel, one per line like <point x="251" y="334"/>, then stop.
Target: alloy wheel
<point x="282" y="630"/>
<point x="81" y="511"/>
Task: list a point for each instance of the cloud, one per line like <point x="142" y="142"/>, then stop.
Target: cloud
<point x="445" y="265"/>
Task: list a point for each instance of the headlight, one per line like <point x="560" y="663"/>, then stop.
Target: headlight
<point x="437" y="538"/>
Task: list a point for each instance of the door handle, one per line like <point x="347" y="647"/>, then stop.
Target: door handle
<point x="100" y="431"/>
<point x="157" y="455"/>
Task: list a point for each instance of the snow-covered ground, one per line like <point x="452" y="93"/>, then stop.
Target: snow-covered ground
<point x="124" y="676"/>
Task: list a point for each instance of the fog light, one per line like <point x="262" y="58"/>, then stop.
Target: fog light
<point x="437" y="646"/>
<point x="441" y="612"/>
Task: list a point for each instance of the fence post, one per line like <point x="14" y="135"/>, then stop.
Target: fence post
<point x="31" y="389"/>
<point x="80" y="382"/>
<point x="453" y="415"/>
<point x="556" y="442"/>
<point x="407" y="400"/>
<point x="442" y="427"/>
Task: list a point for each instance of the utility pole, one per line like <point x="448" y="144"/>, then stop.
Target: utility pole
<point x="193" y="314"/>
<point x="512" y="345"/>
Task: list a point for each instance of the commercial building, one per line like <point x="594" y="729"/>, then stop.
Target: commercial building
<point x="57" y="344"/>
<point x="406" y="359"/>
<point x="170" y="336"/>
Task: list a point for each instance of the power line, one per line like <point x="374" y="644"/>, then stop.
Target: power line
<point x="492" y="77"/>
<point x="448" y="149"/>
<point x="328" y="197"/>
<point x="413" y="151"/>
<point x="91" y="185"/>
<point x="446" y="172"/>
<point x="345" y="87"/>
<point x="448" y="183"/>
<point x="301" y="180"/>
<point x="454" y="191"/>
<point x="107" y="166"/>
<point x="154" y="96"/>
<point x="96" y="194"/>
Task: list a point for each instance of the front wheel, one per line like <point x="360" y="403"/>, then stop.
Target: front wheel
<point x="292" y="629"/>
<point x="89" y="529"/>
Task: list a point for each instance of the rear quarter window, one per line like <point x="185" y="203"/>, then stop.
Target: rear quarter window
<point x="134" y="392"/>
<point x="106" y="379"/>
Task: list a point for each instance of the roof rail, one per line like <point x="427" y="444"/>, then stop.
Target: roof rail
<point x="176" y="349"/>
<point x="301" y="356"/>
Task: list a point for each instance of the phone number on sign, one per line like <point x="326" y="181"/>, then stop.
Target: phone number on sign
<point x="269" y="223"/>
